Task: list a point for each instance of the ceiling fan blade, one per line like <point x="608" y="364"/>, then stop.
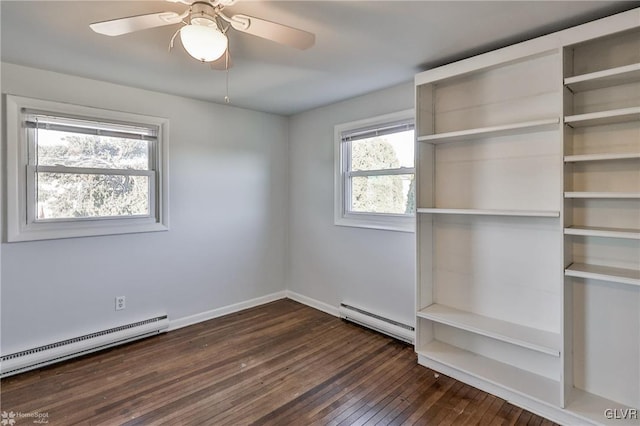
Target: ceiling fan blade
<point x="221" y="63"/>
<point x="272" y="31"/>
<point x="121" y="26"/>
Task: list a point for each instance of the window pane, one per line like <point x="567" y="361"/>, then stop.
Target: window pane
<point x="383" y="152"/>
<point x="56" y="148"/>
<point x="383" y="194"/>
<point x="66" y="195"/>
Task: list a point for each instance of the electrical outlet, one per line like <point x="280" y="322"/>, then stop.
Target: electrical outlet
<point x="120" y="303"/>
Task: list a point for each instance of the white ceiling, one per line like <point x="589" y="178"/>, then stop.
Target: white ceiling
<point x="361" y="46"/>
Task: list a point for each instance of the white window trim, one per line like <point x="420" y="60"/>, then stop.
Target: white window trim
<point x="19" y="228"/>
<point x="388" y="222"/>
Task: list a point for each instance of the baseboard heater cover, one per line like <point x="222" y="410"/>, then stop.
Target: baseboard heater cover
<point x="55" y="352"/>
<point x="384" y="325"/>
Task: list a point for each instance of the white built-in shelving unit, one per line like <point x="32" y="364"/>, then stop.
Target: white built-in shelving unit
<point x="528" y="233"/>
<point x="602" y="221"/>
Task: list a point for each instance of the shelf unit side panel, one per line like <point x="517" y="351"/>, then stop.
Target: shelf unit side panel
<point x="563" y="68"/>
<point x="607" y="340"/>
<point x="425" y="261"/>
<point x="424" y="333"/>
<point x="425" y="175"/>
<point x="567" y="380"/>
<point x="424" y="155"/>
<point x="568" y="325"/>
<point x="424" y="110"/>
<point x="485" y="265"/>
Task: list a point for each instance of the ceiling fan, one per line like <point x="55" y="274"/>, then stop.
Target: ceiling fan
<point x="204" y="29"/>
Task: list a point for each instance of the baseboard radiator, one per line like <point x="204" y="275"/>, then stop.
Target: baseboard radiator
<point x="55" y="352"/>
<point x="376" y="322"/>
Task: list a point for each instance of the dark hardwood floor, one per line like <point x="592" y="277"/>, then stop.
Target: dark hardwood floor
<point x="278" y="364"/>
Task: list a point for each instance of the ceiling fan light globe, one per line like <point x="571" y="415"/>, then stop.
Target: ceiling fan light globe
<point x="204" y="43"/>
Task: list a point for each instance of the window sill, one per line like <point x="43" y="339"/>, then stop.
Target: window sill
<point x="75" y="230"/>
<point x="379" y="222"/>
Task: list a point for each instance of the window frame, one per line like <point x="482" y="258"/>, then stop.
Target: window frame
<point x="342" y="172"/>
<point x="22" y="224"/>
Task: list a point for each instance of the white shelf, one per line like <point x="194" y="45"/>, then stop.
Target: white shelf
<point x="487" y="212"/>
<point x="594" y="231"/>
<point x="604" y="273"/>
<point x="494" y="372"/>
<point x="515" y="334"/>
<point x="610" y="195"/>
<point x="607" y="78"/>
<point x="600" y="157"/>
<point x="603" y="117"/>
<point x="493" y="131"/>
<point x="592" y="408"/>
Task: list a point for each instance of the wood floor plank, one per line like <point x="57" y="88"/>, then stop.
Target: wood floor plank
<point x="347" y="400"/>
<point x="421" y="396"/>
<point x="281" y="363"/>
<point x="378" y="403"/>
<point x="378" y="396"/>
<point x="523" y="418"/>
<point x="307" y="405"/>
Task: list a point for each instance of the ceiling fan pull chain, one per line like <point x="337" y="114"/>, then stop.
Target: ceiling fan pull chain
<point x="226" y="98"/>
<point x="226" y="59"/>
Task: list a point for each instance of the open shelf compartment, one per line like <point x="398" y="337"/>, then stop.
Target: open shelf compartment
<point x="526" y="337"/>
<point x="498" y="374"/>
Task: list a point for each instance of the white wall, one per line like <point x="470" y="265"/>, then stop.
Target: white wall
<point x="237" y="198"/>
<point x="372" y="269"/>
<point x="228" y="218"/>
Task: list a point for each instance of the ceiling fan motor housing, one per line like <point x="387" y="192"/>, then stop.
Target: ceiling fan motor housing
<point x="203" y="13"/>
<point x="224" y="3"/>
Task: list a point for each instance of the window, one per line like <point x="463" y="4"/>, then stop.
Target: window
<point x="374" y="182"/>
<point x="76" y="171"/>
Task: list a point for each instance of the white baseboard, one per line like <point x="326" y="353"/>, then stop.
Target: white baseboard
<point x="236" y="307"/>
<point x="316" y="304"/>
<point x="225" y="310"/>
